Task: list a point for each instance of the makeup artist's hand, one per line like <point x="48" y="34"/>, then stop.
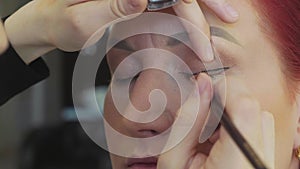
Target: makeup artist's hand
<point x="220" y="152"/>
<point x="191" y="11"/>
<point x="43" y="25"/>
<point x="3" y="39"/>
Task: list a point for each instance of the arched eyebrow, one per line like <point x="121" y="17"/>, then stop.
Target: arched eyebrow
<point x="214" y="31"/>
<point x="222" y="33"/>
<point x="172" y="40"/>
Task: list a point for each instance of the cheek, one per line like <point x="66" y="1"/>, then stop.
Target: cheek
<point x="111" y="115"/>
<point x="264" y="78"/>
<point x="117" y="161"/>
<point x="285" y="126"/>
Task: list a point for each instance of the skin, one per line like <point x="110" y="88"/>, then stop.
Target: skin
<point x="39" y="32"/>
<point x="259" y="99"/>
<point x="3" y="41"/>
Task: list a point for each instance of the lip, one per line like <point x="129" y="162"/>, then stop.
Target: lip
<point x="142" y="163"/>
<point x="151" y="162"/>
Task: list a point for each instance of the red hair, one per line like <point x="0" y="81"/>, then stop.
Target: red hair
<point x="283" y="20"/>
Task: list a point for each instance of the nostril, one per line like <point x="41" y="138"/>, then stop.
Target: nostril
<point x="147" y="133"/>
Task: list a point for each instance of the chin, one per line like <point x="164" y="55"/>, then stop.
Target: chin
<point x="151" y="162"/>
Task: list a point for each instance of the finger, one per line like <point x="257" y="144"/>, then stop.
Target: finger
<point x="268" y="127"/>
<point x="223" y="9"/>
<point x="182" y="153"/>
<point x="198" y="161"/>
<point x="188" y="1"/>
<point x="119" y="8"/>
<point x="91" y="16"/>
<point x="3" y="39"/>
<point x="126" y="7"/>
<point x="197" y="28"/>
<point x="74" y="2"/>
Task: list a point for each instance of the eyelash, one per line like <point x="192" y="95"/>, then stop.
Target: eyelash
<point x="212" y="72"/>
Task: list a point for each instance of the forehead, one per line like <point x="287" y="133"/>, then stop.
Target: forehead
<point x="147" y="44"/>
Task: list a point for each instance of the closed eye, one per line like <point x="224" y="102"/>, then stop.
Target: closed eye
<point x="212" y="72"/>
<point x="129" y="78"/>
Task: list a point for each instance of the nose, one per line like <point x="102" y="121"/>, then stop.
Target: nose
<point x="140" y="90"/>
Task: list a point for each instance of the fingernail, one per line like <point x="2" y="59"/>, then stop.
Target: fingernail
<point x="231" y="11"/>
<point x="130" y="7"/>
<point x="209" y="54"/>
<point x="188" y="1"/>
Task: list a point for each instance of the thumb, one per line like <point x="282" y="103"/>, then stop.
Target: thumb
<point x="122" y="8"/>
<point x="119" y="8"/>
<point x="90" y="16"/>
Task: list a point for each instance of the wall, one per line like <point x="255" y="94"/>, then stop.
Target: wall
<point x="38" y="106"/>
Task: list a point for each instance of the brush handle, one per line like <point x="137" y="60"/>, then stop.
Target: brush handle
<point x="242" y="143"/>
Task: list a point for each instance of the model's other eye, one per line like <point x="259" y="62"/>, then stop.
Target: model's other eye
<point x="127" y="78"/>
<point x="213" y="72"/>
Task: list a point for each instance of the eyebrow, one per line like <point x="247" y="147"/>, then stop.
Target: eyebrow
<point x="183" y="36"/>
<point x="219" y="32"/>
<point x="214" y="31"/>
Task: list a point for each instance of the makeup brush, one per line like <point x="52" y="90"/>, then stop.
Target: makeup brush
<point x="236" y="136"/>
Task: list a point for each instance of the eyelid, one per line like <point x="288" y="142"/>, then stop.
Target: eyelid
<point x="222" y="69"/>
<point x="133" y="77"/>
<point x="211" y="70"/>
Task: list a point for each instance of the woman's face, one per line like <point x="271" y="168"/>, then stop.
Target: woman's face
<point x="251" y="57"/>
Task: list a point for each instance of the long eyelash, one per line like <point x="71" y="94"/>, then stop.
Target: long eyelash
<point x="194" y="74"/>
<point x="212" y="70"/>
